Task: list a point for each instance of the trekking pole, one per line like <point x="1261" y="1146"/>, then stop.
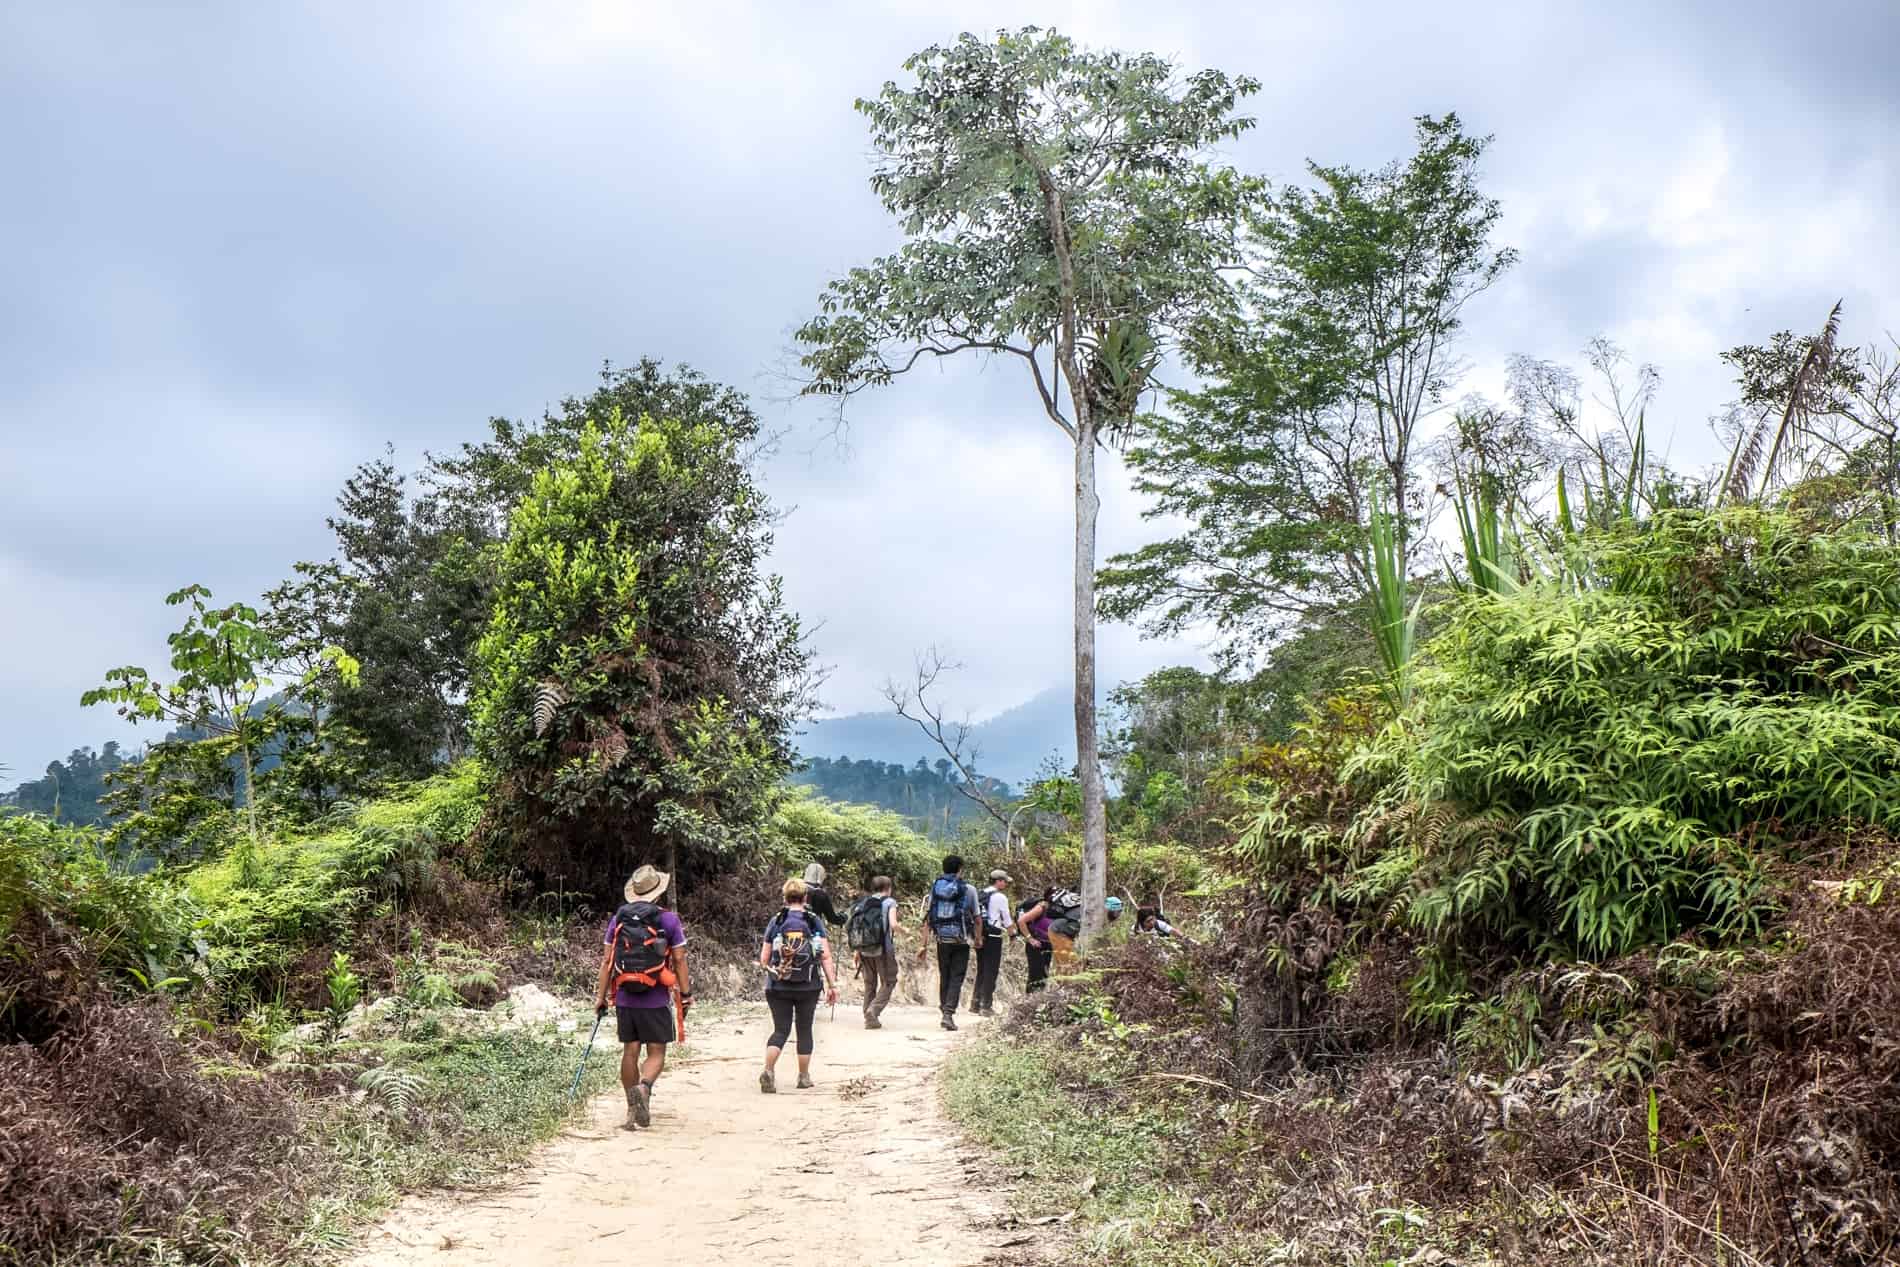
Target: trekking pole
<point x="587" y="1051"/>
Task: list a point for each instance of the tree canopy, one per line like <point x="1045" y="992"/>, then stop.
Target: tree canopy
<point x="1053" y="199"/>
<point x="636" y="684"/>
<point x="1314" y="385"/>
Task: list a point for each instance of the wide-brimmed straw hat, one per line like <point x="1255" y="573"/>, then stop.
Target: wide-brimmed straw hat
<point x="646" y="884"/>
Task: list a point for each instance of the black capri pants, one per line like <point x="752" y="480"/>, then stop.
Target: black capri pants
<point x="787" y="1008"/>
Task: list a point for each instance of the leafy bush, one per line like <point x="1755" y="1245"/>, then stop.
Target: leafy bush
<point x="854" y="842"/>
<point x="265" y="904"/>
<point x="1594" y="771"/>
<point x="59" y="884"/>
<point x="637" y="679"/>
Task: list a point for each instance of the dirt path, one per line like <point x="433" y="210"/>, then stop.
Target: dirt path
<point x="725" y="1172"/>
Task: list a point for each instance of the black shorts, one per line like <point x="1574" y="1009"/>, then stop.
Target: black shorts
<point x="645" y="1024"/>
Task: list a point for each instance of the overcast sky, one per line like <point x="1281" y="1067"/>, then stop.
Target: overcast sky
<point x="246" y="245"/>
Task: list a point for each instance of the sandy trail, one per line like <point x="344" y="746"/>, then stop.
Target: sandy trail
<point x="725" y="1172"/>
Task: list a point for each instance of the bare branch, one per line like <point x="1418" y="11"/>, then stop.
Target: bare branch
<point x="914" y="704"/>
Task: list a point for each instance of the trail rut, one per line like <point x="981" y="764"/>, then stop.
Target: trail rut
<point x="726" y="1172"/>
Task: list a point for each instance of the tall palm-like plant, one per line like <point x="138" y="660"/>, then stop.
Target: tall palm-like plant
<point x="1395" y="621"/>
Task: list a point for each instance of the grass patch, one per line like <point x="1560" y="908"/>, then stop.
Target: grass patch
<point x="1115" y="1171"/>
<point x="450" y="1113"/>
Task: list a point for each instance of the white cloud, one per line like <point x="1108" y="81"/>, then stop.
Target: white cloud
<point x="251" y="243"/>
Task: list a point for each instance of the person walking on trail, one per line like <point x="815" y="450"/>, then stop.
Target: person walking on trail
<point x="871" y="932"/>
<point x="993" y="907"/>
<point x="644" y="963"/>
<point x="817" y="899"/>
<point x="951" y="922"/>
<point x="796" y="956"/>
<point x="1032" y="921"/>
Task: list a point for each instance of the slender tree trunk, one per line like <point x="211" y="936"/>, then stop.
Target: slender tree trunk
<point x="250" y="792"/>
<point x="1087" y="504"/>
<point x="1087" y="760"/>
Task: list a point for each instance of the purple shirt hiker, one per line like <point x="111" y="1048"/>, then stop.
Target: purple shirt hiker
<point x="625" y="996"/>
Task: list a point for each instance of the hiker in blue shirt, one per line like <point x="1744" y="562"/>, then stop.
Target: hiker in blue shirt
<point x="952" y="923"/>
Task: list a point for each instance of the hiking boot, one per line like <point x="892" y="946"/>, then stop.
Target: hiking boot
<point x="767" y="1083"/>
<point x="871" y="1022"/>
<point x="949" y="1021"/>
<point x="633" y="1107"/>
<point x="805" y="1083"/>
<point x="641" y="1101"/>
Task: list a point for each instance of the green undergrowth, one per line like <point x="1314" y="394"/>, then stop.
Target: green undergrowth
<point x="443" y="1113"/>
<point x="1093" y="1179"/>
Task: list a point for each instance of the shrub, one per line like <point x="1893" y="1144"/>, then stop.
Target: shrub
<point x="267" y="903"/>
<point x="60" y="891"/>
<point x="1592" y="771"/>
<point x="854" y="842"/>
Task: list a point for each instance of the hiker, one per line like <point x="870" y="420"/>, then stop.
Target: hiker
<point x="993" y="907"/>
<point x="796" y="956"/>
<point x="871" y="932"/>
<point x="1032" y="921"/>
<point x="951" y="923"/>
<point x="1058" y="921"/>
<point x="817" y="899"/>
<point x="1148" y="920"/>
<point x="645" y="960"/>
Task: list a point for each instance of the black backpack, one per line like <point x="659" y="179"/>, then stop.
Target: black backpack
<point x="640" y="949"/>
<point x="796" y="960"/>
<point x="867" y="930"/>
<point x="983" y="911"/>
<point x="1063" y="908"/>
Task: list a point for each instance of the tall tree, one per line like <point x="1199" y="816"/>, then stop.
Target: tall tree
<point x="1054" y="200"/>
<point x="418" y="555"/>
<point x="1317" y="384"/>
<point x="635" y="688"/>
<point x="220" y="656"/>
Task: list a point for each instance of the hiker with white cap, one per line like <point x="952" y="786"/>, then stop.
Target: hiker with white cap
<point x="818" y="899"/>
<point x="645" y="961"/>
<point x="993" y="907"/>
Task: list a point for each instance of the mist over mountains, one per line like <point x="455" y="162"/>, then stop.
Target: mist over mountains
<point x="1010" y="746"/>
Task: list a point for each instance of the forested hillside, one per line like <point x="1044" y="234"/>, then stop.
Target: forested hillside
<point x="1011" y="747"/>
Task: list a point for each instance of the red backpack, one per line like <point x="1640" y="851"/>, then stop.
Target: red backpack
<point x="640" y="946"/>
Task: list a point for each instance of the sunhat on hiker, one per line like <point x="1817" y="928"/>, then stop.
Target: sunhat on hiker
<point x="646" y="884"/>
<point x="815" y="873"/>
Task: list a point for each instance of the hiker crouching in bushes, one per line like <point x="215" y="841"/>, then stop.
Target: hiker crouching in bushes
<point x="871" y="932"/>
<point x="796" y="956"/>
<point x="1055" y="922"/>
<point x="645" y="960"/>
<point x="952" y="923"/>
<point x="1033" y="921"/>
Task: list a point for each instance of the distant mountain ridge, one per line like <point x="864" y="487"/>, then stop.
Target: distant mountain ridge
<point x="1010" y="746"/>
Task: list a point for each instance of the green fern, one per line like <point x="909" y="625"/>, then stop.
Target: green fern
<point x="399" y="1089"/>
<point x="549" y="695"/>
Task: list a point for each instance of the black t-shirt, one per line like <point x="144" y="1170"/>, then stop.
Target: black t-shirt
<point x="818" y="902"/>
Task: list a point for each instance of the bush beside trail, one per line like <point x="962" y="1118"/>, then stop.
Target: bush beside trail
<point x="1588" y="952"/>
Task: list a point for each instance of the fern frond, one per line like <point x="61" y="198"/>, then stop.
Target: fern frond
<point x="397" y="1088"/>
<point x="611" y="748"/>
<point x="549" y="695"/>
